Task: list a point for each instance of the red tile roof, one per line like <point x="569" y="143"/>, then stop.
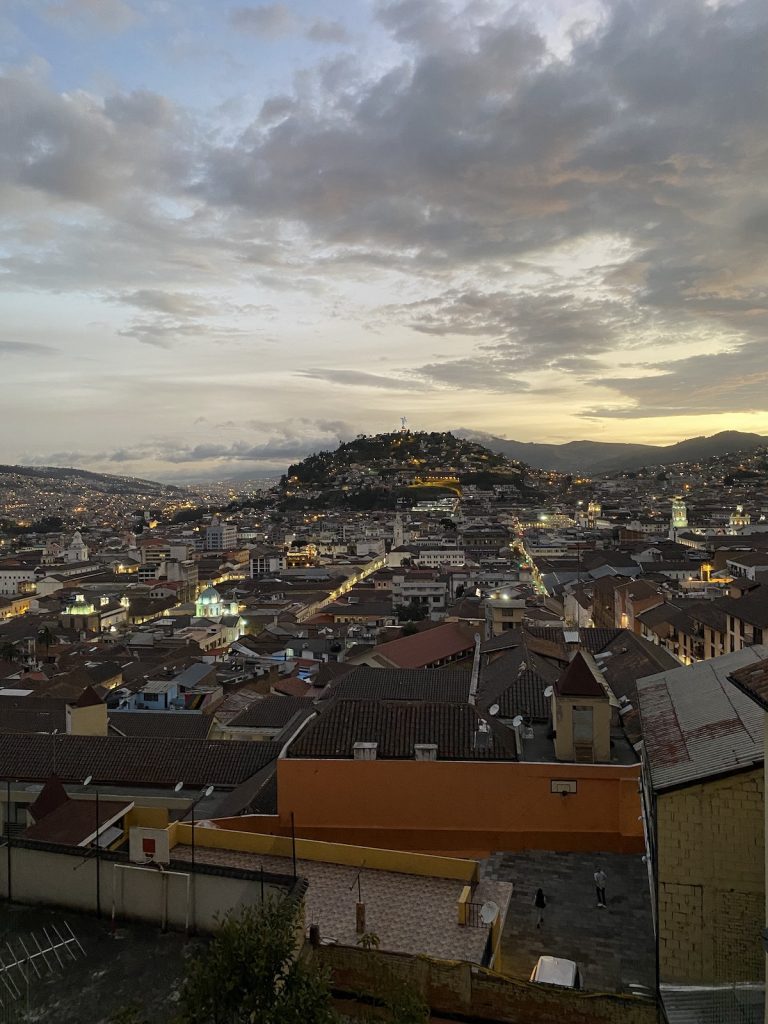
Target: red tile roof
<point x="423" y="649"/>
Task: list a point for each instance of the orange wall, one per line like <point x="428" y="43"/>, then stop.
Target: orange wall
<point x="456" y="807"/>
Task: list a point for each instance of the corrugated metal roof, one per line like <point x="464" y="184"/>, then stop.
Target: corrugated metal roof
<point x="713" y="1004"/>
<point x="697" y="724"/>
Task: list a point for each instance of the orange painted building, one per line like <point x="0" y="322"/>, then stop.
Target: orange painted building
<point x="456" y="808"/>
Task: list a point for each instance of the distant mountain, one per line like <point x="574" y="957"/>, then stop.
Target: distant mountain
<point x="131" y="484"/>
<point x="606" y="456"/>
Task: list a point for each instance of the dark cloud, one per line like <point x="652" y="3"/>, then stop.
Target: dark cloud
<point x="25" y="348"/>
<point x="178" y="304"/>
<point x="324" y="31"/>
<point x="693" y="386"/>
<point x="281" y="444"/>
<point x="269" y="20"/>
<point x="360" y="378"/>
<point x="475" y="159"/>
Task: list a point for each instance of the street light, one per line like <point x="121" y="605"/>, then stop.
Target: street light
<point x="204" y="792"/>
<point x="87" y="782"/>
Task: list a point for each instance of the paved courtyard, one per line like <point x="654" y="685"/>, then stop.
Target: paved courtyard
<point x="409" y="913"/>
<point x="615" y="947"/>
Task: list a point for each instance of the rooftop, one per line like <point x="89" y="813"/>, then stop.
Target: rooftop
<point x="458" y="731"/>
<point x="614" y="947"/>
<point x="444" y="641"/>
<point x="133" y="760"/>
<point x="403" y="684"/>
<point x="410" y="913"/>
<point x="697" y="724"/>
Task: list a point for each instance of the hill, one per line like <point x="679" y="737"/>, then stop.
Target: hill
<point x="372" y="471"/>
<point x="605" y="456"/>
<point x="101" y="481"/>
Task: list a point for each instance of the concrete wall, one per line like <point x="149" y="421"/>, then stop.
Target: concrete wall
<point x="331" y="853"/>
<point x="478" y="994"/>
<point x="711" y="880"/>
<point x="455" y="808"/>
<point x="41" y="873"/>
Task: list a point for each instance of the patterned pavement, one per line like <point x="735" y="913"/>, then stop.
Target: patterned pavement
<point x="615" y="947"/>
<point x="409" y="913"/>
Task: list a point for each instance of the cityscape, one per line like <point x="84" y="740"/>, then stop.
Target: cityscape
<point x="383" y="512"/>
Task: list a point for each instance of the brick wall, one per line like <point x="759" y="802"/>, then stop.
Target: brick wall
<point x="711" y="881"/>
<point x="452" y="987"/>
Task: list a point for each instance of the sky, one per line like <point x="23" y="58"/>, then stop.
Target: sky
<point x="232" y="234"/>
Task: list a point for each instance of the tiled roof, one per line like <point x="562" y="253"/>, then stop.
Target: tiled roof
<point x="753" y="608"/>
<point x="396" y="727"/>
<point x="74" y="822"/>
<point x="502" y="642"/>
<point x="752" y="680"/>
<point x="696" y="724"/>
<point x="161" y="724"/>
<point x="525" y="696"/>
<point x="591" y="639"/>
<point x="516" y="682"/>
<point x="580" y="678"/>
<point x="427" y="684"/>
<point x="272" y="712"/>
<point x="422" y="649"/>
<point x="32" y="714"/>
<point x="133" y="760"/>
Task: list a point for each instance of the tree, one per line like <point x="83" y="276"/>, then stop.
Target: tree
<point x="250" y="973"/>
<point x="45" y="636"/>
<point x="9" y="651"/>
<point x="412" y="612"/>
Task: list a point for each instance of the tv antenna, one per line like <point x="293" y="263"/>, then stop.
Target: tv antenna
<point x="25" y="958"/>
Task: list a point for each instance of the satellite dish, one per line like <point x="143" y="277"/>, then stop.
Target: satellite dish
<point x="517" y="721"/>
<point x="493" y="709"/>
<point x="88" y="781"/>
<point x="549" y="691"/>
<point x="488" y="912"/>
<point x="178" y="787"/>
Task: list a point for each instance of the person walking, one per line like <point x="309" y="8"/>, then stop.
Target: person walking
<point x="600" y="878"/>
<point x="539" y="902"/>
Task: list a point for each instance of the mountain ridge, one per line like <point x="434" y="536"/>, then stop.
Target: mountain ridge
<point x="608" y="456"/>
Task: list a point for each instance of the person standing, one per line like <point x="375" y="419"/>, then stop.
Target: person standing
<point x="539" y="902"/>
<point x="600" y="878"/>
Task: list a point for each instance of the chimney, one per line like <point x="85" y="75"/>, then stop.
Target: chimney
<point x="425" y="751"/>
<point x="483" y="736"/>
<point x="365" y="751"/>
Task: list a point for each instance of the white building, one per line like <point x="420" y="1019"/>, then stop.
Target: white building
<point x="220" y="536"/>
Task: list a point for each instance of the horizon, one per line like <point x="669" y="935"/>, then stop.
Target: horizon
<point x="241" y="476"/>
<point x="233" y="231"/>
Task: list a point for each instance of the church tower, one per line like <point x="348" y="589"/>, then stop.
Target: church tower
<point x="679" y="518"/>
<point x="739" y="519"/>
<point x="77" y="550"/>
<point x="398" y="533"/>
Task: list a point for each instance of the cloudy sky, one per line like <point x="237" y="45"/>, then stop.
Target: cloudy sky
<point x="233" y="233"/>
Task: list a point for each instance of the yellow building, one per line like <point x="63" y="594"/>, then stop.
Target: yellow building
<point x="581" y="712"/>
<point x="704" y="812"/>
